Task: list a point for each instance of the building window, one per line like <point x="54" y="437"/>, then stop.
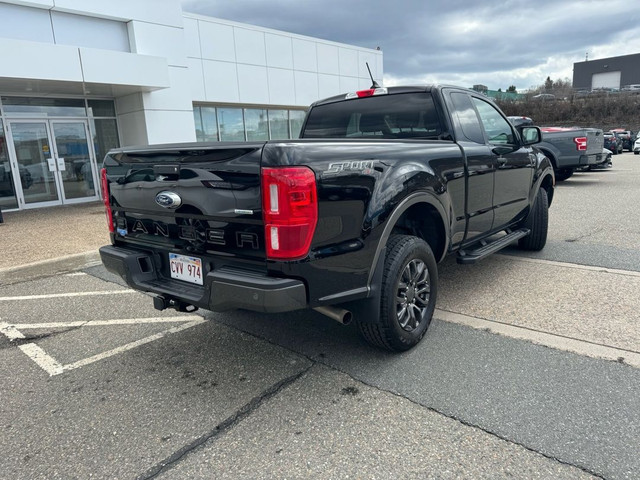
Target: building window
<point x="296" y="118"/>
<point x="231" y="124"/>
<point x="43" y="107"/>
<point x="279" y="124"/>
<point x="256" y="124"/>
<point x="7" y="190"/>
<point x="251" y="124"/>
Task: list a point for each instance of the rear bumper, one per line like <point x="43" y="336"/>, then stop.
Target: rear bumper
<point x="224" y="289"/>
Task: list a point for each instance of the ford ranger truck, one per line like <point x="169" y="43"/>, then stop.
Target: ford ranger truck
<point x="350" y="220"/>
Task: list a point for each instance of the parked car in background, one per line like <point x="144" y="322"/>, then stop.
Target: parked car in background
<point x="568" y="149"/>
<point x="544" y="96"/>
<point x="636" y="146"/>
<point x="613" y="142"/>
<point x="627" y="136"/>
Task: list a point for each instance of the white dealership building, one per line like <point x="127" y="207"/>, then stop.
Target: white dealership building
<point x="78" y="77"/>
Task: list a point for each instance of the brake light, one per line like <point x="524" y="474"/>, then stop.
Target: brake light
<point x="290" y="211"/>
<point x="581" y="143"/>
<point x="367" y="93"/>
<point x="104" y="182"/>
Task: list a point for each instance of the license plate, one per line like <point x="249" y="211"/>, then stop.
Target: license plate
<point x="183" y="267"/>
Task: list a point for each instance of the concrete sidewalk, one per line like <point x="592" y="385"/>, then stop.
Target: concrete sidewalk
<point x="46" y="241"/>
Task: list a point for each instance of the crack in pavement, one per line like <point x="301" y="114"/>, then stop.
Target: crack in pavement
<point x="222" y="427"/>
<point x="6" y="342"/>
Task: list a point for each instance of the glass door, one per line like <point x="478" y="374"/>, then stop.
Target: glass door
<point x="32" y="146"/>
<point x="57" y="157"/>
<point x="75" y="170"/>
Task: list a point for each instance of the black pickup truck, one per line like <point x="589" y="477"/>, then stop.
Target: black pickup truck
<point x="350" y="220"/>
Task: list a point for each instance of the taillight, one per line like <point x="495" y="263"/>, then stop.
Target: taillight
<point x="367" y="93"/>
<point x="105" y="199"/>
<point x="581" y="143"/>
<point x="290" y="211"/>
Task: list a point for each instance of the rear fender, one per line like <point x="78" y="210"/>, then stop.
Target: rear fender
<point x="404" y="206"/>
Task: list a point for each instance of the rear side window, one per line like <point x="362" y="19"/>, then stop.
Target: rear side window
<point x="467" y="117"/>
<point x="405" y="115"/>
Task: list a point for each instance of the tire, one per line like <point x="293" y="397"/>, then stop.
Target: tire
<point x="537" y="222"/>
<point x="563" y="173"/>
<point x="405" y="311"/>
<point x="636" y="153"/>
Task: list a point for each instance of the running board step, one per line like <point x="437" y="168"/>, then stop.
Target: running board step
<point x="487" y="248"/>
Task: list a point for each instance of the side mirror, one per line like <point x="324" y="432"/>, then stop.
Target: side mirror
<point x="530" y="135"/>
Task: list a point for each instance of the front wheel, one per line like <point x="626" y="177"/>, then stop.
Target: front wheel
<point x="408" y="295"/>
<point x="537" y="222"/>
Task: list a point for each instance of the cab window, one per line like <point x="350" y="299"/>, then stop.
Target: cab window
<point x="497" y="128"/>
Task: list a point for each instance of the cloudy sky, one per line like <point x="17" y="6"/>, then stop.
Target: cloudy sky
<point x="464" y="42"/>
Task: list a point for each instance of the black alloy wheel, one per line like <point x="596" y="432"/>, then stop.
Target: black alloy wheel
<point x="408" y="295"/>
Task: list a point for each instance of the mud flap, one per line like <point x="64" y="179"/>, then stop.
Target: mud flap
<point x="368" y="310"/>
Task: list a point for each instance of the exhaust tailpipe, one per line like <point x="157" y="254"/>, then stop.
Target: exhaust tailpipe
<point x="340" y="315"/>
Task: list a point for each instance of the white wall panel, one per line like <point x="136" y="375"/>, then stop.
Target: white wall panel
<point x="279" y="51"/>
<point x="363" y="59"/>
<point x="192" y="38"/>
<point x="282" y="88"/>
<point x="42" y="61"/>
<point x="92" y="32"/>
<point x="253" y="84"/>
<point x="160" y="41"/>
<point x="328" y="59"/>
<point x="32" y="3"/>
<point x="348" y="62"/>
<point x="133" y="130"/>
<point x="129" y="103"/>
<point x="176" y="97"/>
<point x="163" y="12"/>
<point x="329" y="85"/>
<point x="24" y="23"/>
<point x="380" y="70"/>
<point x="196" y="80"/>
<point x="305" y="56"/>
<point x="118" y="68"/>
<point x="351" y="84"/>
<point x="306" y="88"/>
<point x="216" y="41"/>
<point x="220" y="81"/>
<point x="169" y="127"/>
<point x="250" y="46"/>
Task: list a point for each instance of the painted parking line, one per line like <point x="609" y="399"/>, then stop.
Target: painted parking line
<point x="65" y="295"/>
<point x="53" y="367"/>
<point x="558" y="342"/>
<point x="541" y="261"/>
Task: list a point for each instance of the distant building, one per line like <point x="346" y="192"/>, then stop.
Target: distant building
<point x="480" y="88"/>
<point x="607" y="73"/>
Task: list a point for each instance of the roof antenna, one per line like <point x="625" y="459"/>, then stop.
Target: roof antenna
<point x="374" y="84"/>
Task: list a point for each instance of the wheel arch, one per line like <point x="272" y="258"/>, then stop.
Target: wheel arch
<point x="422" y="215"/>
<point x="547" y="184"/>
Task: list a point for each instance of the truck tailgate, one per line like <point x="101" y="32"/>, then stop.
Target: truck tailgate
<point x="196" y="198"/>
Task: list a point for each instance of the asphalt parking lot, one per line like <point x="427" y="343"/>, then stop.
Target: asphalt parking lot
<point x="531" y="369"/>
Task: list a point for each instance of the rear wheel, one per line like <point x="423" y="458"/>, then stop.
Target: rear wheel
<point x="537" y="222"/>
<point x="408" y="295"/>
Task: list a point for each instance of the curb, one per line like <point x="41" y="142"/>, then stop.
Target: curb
<point x="44" y="268"/>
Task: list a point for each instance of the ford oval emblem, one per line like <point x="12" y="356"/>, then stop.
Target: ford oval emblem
<point x="168" y="200"/>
